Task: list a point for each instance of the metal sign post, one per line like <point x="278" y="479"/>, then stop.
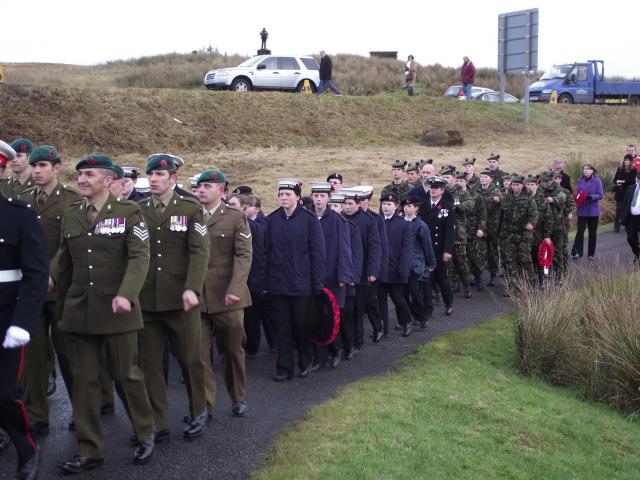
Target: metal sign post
<point x="518" y="48"/>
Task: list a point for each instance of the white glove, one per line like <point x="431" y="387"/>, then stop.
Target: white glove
<point x="16" y="337"/>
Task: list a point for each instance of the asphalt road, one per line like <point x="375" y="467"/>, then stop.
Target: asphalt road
<point x="231" y="448"/>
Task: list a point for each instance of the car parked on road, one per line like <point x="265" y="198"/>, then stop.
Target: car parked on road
<point x="266" y="72"/>
<point x="492" y="97"/>
<point x="456" y="91"/>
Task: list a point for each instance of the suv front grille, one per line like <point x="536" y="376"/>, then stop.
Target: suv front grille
<point x="210" y="76"/>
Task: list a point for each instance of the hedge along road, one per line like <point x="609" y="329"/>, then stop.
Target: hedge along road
<point x="231" y="448"/>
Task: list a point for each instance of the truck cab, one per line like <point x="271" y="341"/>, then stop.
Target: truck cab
<point x="583" y="82"/>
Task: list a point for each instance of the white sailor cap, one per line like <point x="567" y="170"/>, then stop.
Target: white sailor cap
<point x="364" y="191"/>
<point x="351" y="193"/>
<point x="337" y="197"/>
<point x="142" y="185"/>
<point x="290" y="184"/>
<point x="437" y="181"/>
<point x="7" y="153"/>
<point x="176" y="159"/>
<point x="320" y="187"/>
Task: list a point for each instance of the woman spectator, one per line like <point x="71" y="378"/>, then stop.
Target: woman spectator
<point x="588" y="196"/>
<point x="625" y="176"/>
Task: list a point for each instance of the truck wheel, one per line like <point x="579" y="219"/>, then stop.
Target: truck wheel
<point x="241" y="85"/>
<point x="634" y="101"/>
<point x="565" y="98"/>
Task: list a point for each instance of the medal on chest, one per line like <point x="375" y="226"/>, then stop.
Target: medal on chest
<point x="178" y="223"/>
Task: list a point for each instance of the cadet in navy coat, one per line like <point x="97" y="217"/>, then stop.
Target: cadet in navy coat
<point x="438" y="215"/>
<point x="400" y="241"/>
<point x="338" y="249"/>
<point x="366" y="290"/>
<point x="296" y="269"/>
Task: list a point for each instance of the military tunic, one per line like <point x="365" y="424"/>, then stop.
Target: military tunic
<point x="179" y="252"/>
<point x="401" y="190"/>
<point x="488" y="245"/>
<point x="517" y="212"/>
<point x="541" y="231"/>
<point x="99" y="260"/>
<point x="38" y="355"/>
<point x="463" y="205"/>
<point x="559" y="229"/>
<point x="12" y="188"/>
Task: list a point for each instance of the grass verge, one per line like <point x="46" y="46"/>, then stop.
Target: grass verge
<point x="457" y="409"/>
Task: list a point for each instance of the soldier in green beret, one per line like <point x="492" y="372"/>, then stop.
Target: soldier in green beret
<point x="20" y="179"/>
<point x="493" y="164"/>
<point x="172" y="293"/>
<point x="104" y="258"/>
<point x="225" y="289"/>
<point x="469" y="167"/>
<point x="487" y="251"/>
<point x="568" y="212"/>
<point x="556" y="198"/>
<point x="398" y="185"/>
<point x="50" y="198"/>
<point x="519" y="218"/>
<point x="413" y="174"/>
<point x="542" y="231"/>
<point x="463" y="205"/>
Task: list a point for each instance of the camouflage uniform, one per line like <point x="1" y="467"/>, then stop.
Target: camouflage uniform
<point x="497" y="176"/>
<point x="463" y="205"/>
<point x="517" y="212"/>
<point x="476" y="252"/>
<point x="487" y="247"/>
<point x="559" y="229"/>
<point x="541" y="231"/>
<point x="401" y="190"/>
<point x="568" y="208"/>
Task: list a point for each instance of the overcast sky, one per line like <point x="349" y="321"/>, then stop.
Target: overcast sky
<point x="442" y="32"/>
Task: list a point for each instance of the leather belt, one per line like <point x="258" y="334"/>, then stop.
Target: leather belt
<point x="10" y="275"/>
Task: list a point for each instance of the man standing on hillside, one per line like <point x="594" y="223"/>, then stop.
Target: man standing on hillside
<point x="326" y="71"/>
<point x="467" y="74"/>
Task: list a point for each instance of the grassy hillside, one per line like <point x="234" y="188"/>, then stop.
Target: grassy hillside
<point x="258" y="137"/>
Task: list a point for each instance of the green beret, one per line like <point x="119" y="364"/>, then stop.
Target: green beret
<point x="448" y="170"/>
<point x="469" y="161"/>
<point x="486" y="172"/>
<point x="413" y="167"/>
<point x="399" y="164"/>
<point x="212" y="176"/>
<point x="95" y="161"/>
<point x="517" y="179"/>
<point x="494" y="156"/>
<point x="161" y="161"/>
<point x="531" y="179"/>
<point x="118" y="172"/>
<point x="547" y="176"/>
<point x="44" y="153"/>
<point x="22" y="145"/>
<point x="461" y="176"/>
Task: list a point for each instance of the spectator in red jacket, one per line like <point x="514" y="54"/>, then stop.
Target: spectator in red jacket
<point x="633" y="151"/>
<point x="467" y="74"/>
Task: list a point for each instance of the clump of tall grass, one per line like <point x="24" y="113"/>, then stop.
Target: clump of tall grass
<point x="584" y="334"/>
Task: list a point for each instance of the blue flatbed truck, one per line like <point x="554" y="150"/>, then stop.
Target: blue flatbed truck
<point x="583" y="83"/>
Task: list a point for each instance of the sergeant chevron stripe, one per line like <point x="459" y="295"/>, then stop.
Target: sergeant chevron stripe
<point x="201" y="229"/>
<point x="141" y="232"/>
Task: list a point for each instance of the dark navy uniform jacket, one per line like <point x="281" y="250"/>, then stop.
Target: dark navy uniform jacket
<point x="423" y="255"/>
<point x="370" y="241"/>
<point x="296" y="256"/>
<point x="337" y="242"/>
<point x="384" y="245"/>
<point x="442" y="225"/>
<point x="136" y="196"/>
<point x="356" y="256"/>
<point x="22" y="247"/>
<point x="418" y="191"/>
<point x="257" y="281"/>
<point x="400" y="240"/>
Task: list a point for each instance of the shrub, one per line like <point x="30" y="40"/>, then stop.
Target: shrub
<point x="584" y="335"/>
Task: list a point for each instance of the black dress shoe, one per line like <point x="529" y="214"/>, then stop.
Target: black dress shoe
<point x="282" y="377"/>
<point x="79" y="464"/>
<point x="377" y="336"/>
<point x="335" y="361"/>
<point x="144" y="451"/>
<point x="196" y="426"/>
<point x="448" y="310"/>
<point x="349" y="355"/>
<point x="398" y="327"/>
<point x="239" y="409"/>
<point x="467" y="292"/>
<point x="316" y="366"/>
<point x="40" y="428"/>
<point x="159" y="436"/>
<point x="5" y="441"/>
<point x="51" y="383"/>
<point x="492" y="281"/>
<point x="304" y="373"/>
<point x="30" y="469"/>
<point x="407" y="330"/>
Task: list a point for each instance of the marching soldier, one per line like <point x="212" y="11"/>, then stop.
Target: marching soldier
<point x="21" y="178"/>
<point x="469" y="167"/>
<point x="398" y="186"/>
<point x="463" y="206"/>
<point x="104" y="259"/>
<point x="519" y="218"/>
<point x="226" y="292"/>
<point x="487" y="244"/>
<point x="23" y="287"/>
<point x="542" y="230"/>
<point x="493" y="167"/>
<point x="171" y="294"/>
<point x="569" y="211"/>
<point x="50" y="199"/>
<point x="413" y="175"/>
<point x="555" y="197"/>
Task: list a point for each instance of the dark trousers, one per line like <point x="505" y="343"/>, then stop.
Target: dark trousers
<point x="269" y="323"/>
<point x="13" y="413"/>
<point x="397" y="292"/>
<point x="578" y="244"/>
<point x="294" y="330"/>
<point x="633" y="230"/>
<point x="253" y="319"/>
<point x="346" y="323"/>
<point x="440" y="278"/>
<point x="366" y="302"/>
<point x="414" y="295"/>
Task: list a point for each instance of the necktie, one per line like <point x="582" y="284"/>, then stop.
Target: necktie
<point x="92" y="213"/>
<point x="42" y="199"/>
<point x="160" y="207"/>
<point x="207" y="215"/>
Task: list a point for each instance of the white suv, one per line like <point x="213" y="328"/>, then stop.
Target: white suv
<point x="266" y="72"/>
